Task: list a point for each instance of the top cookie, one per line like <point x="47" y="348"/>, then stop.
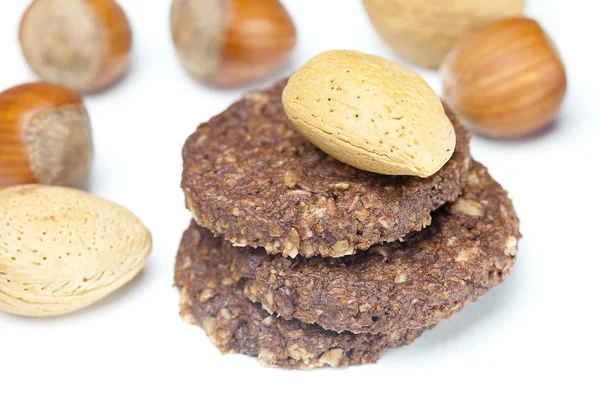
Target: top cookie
<point x="249" y="176"/>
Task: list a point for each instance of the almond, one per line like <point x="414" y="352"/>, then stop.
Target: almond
<point x="371" y="113"/>
<point x="423" y="32"/>
<point x="63" y="249"/>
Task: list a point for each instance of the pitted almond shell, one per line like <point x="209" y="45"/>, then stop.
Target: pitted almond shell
<point x="63" y="249"/>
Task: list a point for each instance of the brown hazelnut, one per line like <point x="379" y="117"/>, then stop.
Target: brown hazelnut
<point x="83" y="45"/>
<point x="506" y="79"/>
<point x="231" y="42"/>
<point x="45" y="137"/>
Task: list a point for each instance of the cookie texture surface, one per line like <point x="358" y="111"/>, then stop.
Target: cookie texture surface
<point x="469" y="249"/>
<point x="214" y="300"/>
<point x="251" y="177"/>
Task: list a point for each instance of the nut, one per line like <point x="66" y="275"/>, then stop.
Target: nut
<point x="45" y="137"/>
<point x="370" y="113"/>
<point x="467" y="207"/>
<point x="331" y="357"/>
<point x="510" y="248"/>
<point x="84" y="45"/>
<point x="342" y="248"/>
<point x="424" y="31"/>
<point x="62" y="249"/>
<point x="506" y="79"/>
<point x="231" y="42"/>
<point x="289" y="179"/>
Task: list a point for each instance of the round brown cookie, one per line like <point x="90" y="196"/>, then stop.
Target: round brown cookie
<point x="214" y="300"/>
<point x="469" y="248"/>
<point x="250" y="176"/>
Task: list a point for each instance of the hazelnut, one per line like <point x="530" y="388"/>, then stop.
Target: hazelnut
<point x="45" y="137"/>
<point x="424" y="31"/>
<point x="80" y="44"/>
<point x="231" y="42"/>
<point x="506" y="79"/>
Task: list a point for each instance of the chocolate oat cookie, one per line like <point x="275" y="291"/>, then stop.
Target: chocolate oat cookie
<point x="469" y="248"/>
<point x="213" y="299"/>
<point x="251" y="177"/>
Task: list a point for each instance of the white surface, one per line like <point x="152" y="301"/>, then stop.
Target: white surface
<point x="535" y="334"/>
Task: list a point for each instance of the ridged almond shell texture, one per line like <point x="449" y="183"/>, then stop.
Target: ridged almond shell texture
<point x="506" y="79"/>
<point x="424" y="31"/>
<point x="371" y="113"/>
<point x="84" y="45"/>
<point x="62" y="249"/>
<point x="45" y="137"/>
<point x="231" y="42"/>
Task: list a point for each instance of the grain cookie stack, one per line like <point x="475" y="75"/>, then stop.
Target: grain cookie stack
<point x="303" y="261"/>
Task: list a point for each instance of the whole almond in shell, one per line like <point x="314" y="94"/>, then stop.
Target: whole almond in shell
<point x="62" y="249"/>
<point x="423" y="31"/>
<point x="371" y="113"/>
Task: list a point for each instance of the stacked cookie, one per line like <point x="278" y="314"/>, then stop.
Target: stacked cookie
<point x="302" y="261"/>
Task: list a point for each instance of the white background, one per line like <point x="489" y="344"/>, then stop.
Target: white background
<point x="536" y="334"/>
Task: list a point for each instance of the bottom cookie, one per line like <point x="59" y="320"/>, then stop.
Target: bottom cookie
<point x="214" y="300"/>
